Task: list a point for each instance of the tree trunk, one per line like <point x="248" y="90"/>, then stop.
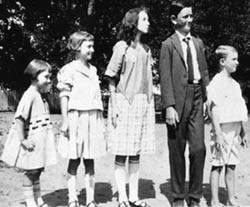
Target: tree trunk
<point x="91" y="7"/>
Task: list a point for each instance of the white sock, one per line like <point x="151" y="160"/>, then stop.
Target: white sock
<point x="37" y="193"/>
<point x="72" y="188"/>
<point x="29" y="196"/>
<point x="133" y="169"/>
<point x="90" y="187"/>
<point x="120" y="177"/>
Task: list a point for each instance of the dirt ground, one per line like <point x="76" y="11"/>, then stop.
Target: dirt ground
<point x="154" y="183"/>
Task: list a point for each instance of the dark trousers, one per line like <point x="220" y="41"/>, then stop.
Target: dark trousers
<point x="191" y="130"/>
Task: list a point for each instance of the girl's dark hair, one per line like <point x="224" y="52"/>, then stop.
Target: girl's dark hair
<point x="35" y="67"/>
<point x="178" y="5"/>
<point x="128" y="28"/>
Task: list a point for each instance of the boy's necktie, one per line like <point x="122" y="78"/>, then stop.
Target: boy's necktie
<point x="189" y="61"/>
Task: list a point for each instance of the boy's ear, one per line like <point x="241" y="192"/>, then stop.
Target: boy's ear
<point x="173" y="19"/>
<point x="222" y="61"/>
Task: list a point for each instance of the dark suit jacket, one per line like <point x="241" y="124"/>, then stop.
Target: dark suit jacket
<point x="173" y="72"/>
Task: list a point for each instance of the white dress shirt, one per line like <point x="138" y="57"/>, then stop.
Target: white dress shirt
<point x="197" y="75"/>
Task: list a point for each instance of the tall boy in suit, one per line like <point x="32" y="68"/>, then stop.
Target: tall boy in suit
<point x="183" y="78"/>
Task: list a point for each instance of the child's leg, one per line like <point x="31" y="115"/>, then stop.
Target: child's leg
<point x="214" y="182"/>
<point x="120" y="177"/>
<point x="72" y="170"/>
<point x="133" y="169"/>
<point x="89" y="180"/>
<point x="28" y="188"/>
<point x="230" y="183"/>
<point x="37" y="187"/>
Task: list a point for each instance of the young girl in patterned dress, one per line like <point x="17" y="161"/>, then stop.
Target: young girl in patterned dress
<point x="30" y="144"/>
<point x="81" y="108"/>
<point x="131" y="117"/>
<point x="228" y="111"/>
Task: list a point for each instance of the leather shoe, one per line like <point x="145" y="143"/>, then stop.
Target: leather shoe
<point x="194" y="203"/>
<point x="178" y="203"/>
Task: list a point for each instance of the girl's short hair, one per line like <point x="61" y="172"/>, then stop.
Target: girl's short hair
<point x="35" y="67"/>
<point x="128" y="28"/>
<point x="178" y="5"/>
<point x="77" y="38"/>
<point x="223" y="50"/>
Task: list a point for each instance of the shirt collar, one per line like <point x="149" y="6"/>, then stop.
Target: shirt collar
<point x="181" y="36"/>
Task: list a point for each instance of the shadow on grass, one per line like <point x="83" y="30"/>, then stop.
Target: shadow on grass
<point x="166" y="190"/>
<point x="103" y="194"/>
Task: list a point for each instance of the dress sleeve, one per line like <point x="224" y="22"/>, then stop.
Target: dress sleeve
<point x="115" y="62"/>
<point x="24" y="107"/>
<point x="65" y="80"/>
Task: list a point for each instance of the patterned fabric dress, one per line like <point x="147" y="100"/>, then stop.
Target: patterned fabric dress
<point x="135" y="130"/>
<point x="225" y="94"/>
<point x="33" y="109"/>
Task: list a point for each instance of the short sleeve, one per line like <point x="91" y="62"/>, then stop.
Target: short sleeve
<point x="115" y="62"/>
<point x="24" y="107"/>
<point x="214" y="93"/>
<point x="65" y="80"/>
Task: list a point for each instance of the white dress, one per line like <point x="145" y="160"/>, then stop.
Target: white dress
<point x="86" y="123"/>
<point x="38" y="127"/>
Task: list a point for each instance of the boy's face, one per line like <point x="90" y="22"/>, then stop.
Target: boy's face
<point x="183" y="21"/>
<point x="231" y="62"/>
<point x="87" y="49"/>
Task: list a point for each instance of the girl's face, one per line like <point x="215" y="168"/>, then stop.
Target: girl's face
<point x="87" y="49"/>
<point x="231" y="62"/>
<point x="43" y="81"/>
<point x="143" y="22"/>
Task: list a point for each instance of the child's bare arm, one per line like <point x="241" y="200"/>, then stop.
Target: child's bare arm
<point x="64" y="111"/>
<point x="112" y="88"/>
<point x="26" y="143"/>
<point x="216" y="124"/>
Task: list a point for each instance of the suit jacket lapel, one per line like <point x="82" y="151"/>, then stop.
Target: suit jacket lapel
<point x="176" y="43"/>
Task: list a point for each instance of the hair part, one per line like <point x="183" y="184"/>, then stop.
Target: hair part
<point x="77" y="38"/>
<point x="178" y="5"/>
<point x="128" y="28"/>
<point x="223" y="50"/>
<point x="35" y="67"/>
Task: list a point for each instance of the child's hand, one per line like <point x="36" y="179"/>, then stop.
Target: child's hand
<point x="65" y="128"/>
<point x="28" y="145"/>
<point x="114" y="116"/>
<point x="219" y="143"/>
<point x="244" y="142"/>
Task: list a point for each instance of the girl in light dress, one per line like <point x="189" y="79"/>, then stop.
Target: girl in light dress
<point x="228" y="112"/>
<point x="81" y="108"/>
<point x="30" y="144"/>
<point x="131" y="117"/>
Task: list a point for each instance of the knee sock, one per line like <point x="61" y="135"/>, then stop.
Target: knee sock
<point x="37" y="193"/>
<point x="133" y="180"/>
<point x="120" y="177"/>
<point x="72" y="188"/>
<point x="90" y="188"/>
<point x="29" y="196"/>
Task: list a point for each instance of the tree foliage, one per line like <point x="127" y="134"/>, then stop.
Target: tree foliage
<point x="40" y="29"/>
